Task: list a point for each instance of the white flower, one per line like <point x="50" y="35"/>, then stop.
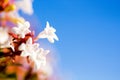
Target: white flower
<point x="40" y="57"/>
<point x="35" y="53"/>
<point x="28" y="48"/>
<point x="22" y="29"/>
<point x="3" y="35"/>
<point x="25" y="6"/>
<point x="5" y="39"/>
<point x="8" y="44"/>
<point x="49" y="33"/>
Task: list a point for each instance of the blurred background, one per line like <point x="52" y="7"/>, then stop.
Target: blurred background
<point x="89" y="33"/>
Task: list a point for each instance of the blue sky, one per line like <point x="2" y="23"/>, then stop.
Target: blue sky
<point x="89" y="32"/>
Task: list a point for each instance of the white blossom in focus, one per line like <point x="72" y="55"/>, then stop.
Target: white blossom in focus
<point x="25" y="6"/>
<point x="49" y="33"/>
<point x="22" y="29"/>
<point x="36" y="54"/>
<point x="28" y="48"/>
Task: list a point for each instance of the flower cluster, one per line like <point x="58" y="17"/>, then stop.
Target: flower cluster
<point x="18" y="45"/>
